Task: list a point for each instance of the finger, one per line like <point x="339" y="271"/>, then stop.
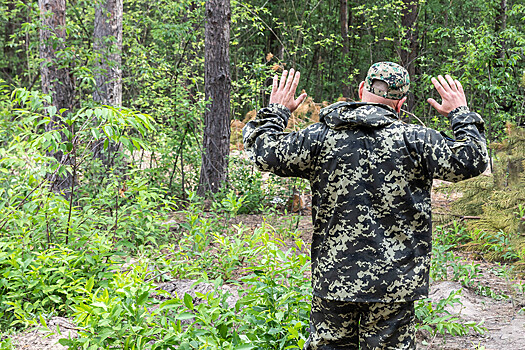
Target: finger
<point x="438" y="86"/>
<point x="297" y="102"/>
<point x="290" y="79"/>
<point x="460" y="87"/>
<point x="295" y="82"/>
<point x="451" y="82"/>
<point x="443" y="83"/>
<point x="275" y="82"/>
<point x="300" y="99"/>
<point x="283" y="80"/>
<point x="434" y="104"/>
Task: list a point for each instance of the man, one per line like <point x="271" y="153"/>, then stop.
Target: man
<point x="371" y="177"/>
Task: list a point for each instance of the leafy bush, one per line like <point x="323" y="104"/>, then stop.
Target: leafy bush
<point x="434" y="317"/>
<point x="45" y="282"/>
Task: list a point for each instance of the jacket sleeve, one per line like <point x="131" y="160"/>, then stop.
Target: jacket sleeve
<point x="284" y="154"/>
<point x="462" y="158"/>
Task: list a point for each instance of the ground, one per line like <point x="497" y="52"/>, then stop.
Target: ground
<point x="504" y="321"/>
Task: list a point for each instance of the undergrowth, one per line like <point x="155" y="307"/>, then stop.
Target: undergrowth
<point x="97" y="254"/>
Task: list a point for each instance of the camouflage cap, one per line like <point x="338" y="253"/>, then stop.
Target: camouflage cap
<point x="395" y="76"/>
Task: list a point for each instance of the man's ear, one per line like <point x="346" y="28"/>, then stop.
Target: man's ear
<point x="400" y="104"/>
<point x="361" y="87"/>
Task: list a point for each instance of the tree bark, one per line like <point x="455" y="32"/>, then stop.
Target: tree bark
<point x="216" y="140"/>
<point x="9" y="50"/>
<point x="408" y="53"/>
<point x="107" y="45"/>
<point x="55" y="77"/>
<point x="56" y="81"/>
<point x="500" y="24"/>
<point x="346" y="47"/>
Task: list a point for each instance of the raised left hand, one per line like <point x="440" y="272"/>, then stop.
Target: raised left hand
<point x="283" y="92"/>
<point x="451" y="92"/>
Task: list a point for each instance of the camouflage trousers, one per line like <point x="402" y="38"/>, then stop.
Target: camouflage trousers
<point x="337" y="325"/>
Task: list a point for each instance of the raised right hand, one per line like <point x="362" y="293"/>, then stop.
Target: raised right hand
<point x="283" y="92"/>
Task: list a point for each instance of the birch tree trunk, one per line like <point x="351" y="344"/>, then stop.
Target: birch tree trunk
<point x="216" y="140"/>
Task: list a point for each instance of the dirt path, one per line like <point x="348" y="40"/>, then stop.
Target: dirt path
<point x="505" y="326"/>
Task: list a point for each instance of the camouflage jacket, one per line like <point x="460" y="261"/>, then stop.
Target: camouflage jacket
<point x="371" y="177"/>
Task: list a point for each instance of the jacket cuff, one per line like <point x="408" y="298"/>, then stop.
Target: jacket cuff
<point x="462" y="116"/>
<point x="280" y="108"/>
<point x="460" y="109"/>
<point x="275" y="109"/>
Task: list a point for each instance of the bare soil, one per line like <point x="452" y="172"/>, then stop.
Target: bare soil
<point x="505" y="325"/>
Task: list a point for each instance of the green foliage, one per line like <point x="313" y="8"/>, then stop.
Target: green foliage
<point x="271" y="313"/>
<point x="497" y="198"/>
<point x="6" y="344"/>
<point x="443" y="260"/>
<point x="245" y="179"/>
<point x="435" y="318"/>
<point x="45" y="282"/>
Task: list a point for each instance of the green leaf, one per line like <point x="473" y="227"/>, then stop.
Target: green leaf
<point x="99" y="304"/>
<point x="170" y="304"/>
<point x="142" y="298"/>
<point x="51" y="110"/>
<point x="188" y="301"/>
<point x="55" y="299"/>
<point x="108" y="130"/>
<point x="244" y="347"/>
<point x="90" y="283"/>
<point x="43" y="321"/>
<point x="185" y="316"/>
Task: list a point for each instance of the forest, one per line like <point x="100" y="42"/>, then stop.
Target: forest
<point x="131" y="216"/>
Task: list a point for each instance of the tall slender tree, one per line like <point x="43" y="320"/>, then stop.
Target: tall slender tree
<point x="343" y="18"/>
<point x="500" y="23"/>
<point x="216" y="140"/>
<point x="55" y="76"/>
<point x="107" y="44"/>
<point x="408" y="52"/>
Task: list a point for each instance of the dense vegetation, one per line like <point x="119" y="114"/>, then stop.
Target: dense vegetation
<point x="99" y="253"/>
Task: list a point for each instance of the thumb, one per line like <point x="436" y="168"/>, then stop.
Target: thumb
<point x="294" y="104"/>
<point x="300" y="99"/>
<point x="434" y="104"/>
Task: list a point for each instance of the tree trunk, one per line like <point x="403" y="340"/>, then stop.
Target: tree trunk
<point x="9" y="50"/>
<point x="500" y="24"/>
<point x="216" y="140"/>
<point x="107" y="45"/>
<point x="346" y="49"/>
<point x="56" y="79"/>
<point x="408" y="52"/>
<point x="194" y="50"/>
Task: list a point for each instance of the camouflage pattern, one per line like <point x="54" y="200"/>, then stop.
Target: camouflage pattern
<point x="395" y="76"/>
<point x="371" y="177"/>
<point x="338" y="325"/>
